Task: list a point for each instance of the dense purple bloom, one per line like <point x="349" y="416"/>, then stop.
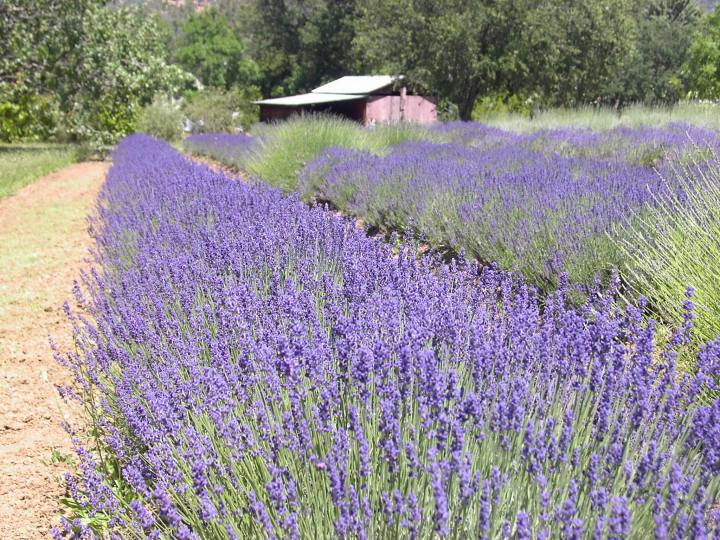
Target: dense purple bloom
<point x="265" y="369"/>
<point x="538" y="203"/>
<point x="522" y="526"/>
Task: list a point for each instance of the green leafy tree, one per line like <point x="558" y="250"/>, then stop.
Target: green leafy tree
<point x="37" y="39"/>
<point x="118" y="67"/>
<point x="459" y="48"/>
<point x="274" y="30"/>
<point x="326" y="41"/>
<point x="216" y="110"/>
<point x="701" y="72"/>
<point x="99" y="62"/>
<point x="300" y="44"/>
<point x="665" y="31"/>
<point x="211" y="50"/>
<point x="571" y="52"/>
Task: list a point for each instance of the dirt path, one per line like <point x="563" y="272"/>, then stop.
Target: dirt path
<point x="43" y="245"/>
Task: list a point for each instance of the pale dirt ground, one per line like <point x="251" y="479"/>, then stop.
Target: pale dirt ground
<point x="43" y="245"/>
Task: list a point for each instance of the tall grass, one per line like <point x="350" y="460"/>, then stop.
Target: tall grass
<point x="700" y="114"/>
<point x="676" y="244"/>
<point x="286" y="147"/>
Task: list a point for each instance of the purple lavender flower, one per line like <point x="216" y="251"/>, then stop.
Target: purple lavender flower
<point x="264" y="369"/>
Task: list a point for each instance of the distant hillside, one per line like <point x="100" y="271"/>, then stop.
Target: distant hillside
<point x="708" y="4"/>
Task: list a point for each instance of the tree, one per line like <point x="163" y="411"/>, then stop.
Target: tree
<point x="665" y="31"/>
<point x="99" y="62"/>
<point x="701" y="71"/>
<point x="299" y="45"/>
<point x="37" y="38"/>
<point x="118" y="66"/>
<point x="326" y="41"/>
<point x="571" y="52"/>
<point x="210" y="49"/>
<point x="459" y="48"/>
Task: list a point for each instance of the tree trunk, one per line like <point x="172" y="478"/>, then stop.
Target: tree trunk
<point x="465" y="107"/>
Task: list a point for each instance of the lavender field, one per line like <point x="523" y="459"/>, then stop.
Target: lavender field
<point x="257" y="368"/>
<point x="539" y="203"/>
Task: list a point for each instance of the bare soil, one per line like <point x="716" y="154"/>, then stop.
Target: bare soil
<point x="44" y="243"/>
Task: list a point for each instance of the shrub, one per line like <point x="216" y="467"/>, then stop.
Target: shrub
<point x="677" y="243"/>
<point x="285" y="147"/>
<point x="535" y="203"/>
<point x="161" y="119"/>
<point x="228" y="148"/>
<point x="502" y="103"/>
<point x="215" y="110"/>
<point x="30" y="118"/>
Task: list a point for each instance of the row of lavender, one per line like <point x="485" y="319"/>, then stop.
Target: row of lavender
<point x="538" y="203"/>
<point x="535" y="203"/>
<point x="230" y="149"/>
<point x="256" y="368"/>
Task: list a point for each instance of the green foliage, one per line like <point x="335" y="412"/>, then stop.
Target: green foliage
<point x="286" y="147"/>
<point x="701" y="72"/>
<point x="677" y="245"/>
<point x="161" y="119"/>
<point x="29" y="117"/>
<point x="567" y="52"/>
<point x="651" y="74"/>
<point x="214" y="110"/>
<point x="458" y="49"/>
<point x="301" y="44"/>
<point x="210" y="50"/>
<point x="119" y="67"/>
<point x="501" y="103"/>
<point x="21" y="164"/>
<point x="571" y="51"/>
<point x="100" y="63"/>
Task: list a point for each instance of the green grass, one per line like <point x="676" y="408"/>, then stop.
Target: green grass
<point x="21" y="164"/>
<point x="700" y="114"/>
<point x="676" y="245"/>
<point x="286" y="147"/>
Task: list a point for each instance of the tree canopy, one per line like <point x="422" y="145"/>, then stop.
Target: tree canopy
<point x="209" y="48"/>
<point x="85" y="67"/>
<point x="98" y="62"/>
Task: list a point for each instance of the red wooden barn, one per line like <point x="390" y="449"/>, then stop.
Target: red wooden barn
<point x="368" y="99"/>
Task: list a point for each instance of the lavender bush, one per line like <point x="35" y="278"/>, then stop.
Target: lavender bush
<point x="227" y="148"/>
<point x="523" y="209"/>
<point x="646" y="145"/>
<point x="254" y="368"/>
<point x="536" y="202"/>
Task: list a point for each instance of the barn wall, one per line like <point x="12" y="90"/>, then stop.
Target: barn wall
<point x="420" y="110"/>
<point x="270" y="113"/>
<point x="382" y="110"/>
<point x="374" y="110"/>
<point x="394" y="109"/>
<point x="353" y="110"/>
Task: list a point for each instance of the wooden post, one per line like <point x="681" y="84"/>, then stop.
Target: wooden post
<point x="403" y="94"/>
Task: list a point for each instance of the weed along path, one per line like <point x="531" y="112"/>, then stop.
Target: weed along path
<point x="43" y="245"/>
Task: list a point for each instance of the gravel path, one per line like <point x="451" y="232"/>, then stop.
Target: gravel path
<point x="43" y="245"/>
